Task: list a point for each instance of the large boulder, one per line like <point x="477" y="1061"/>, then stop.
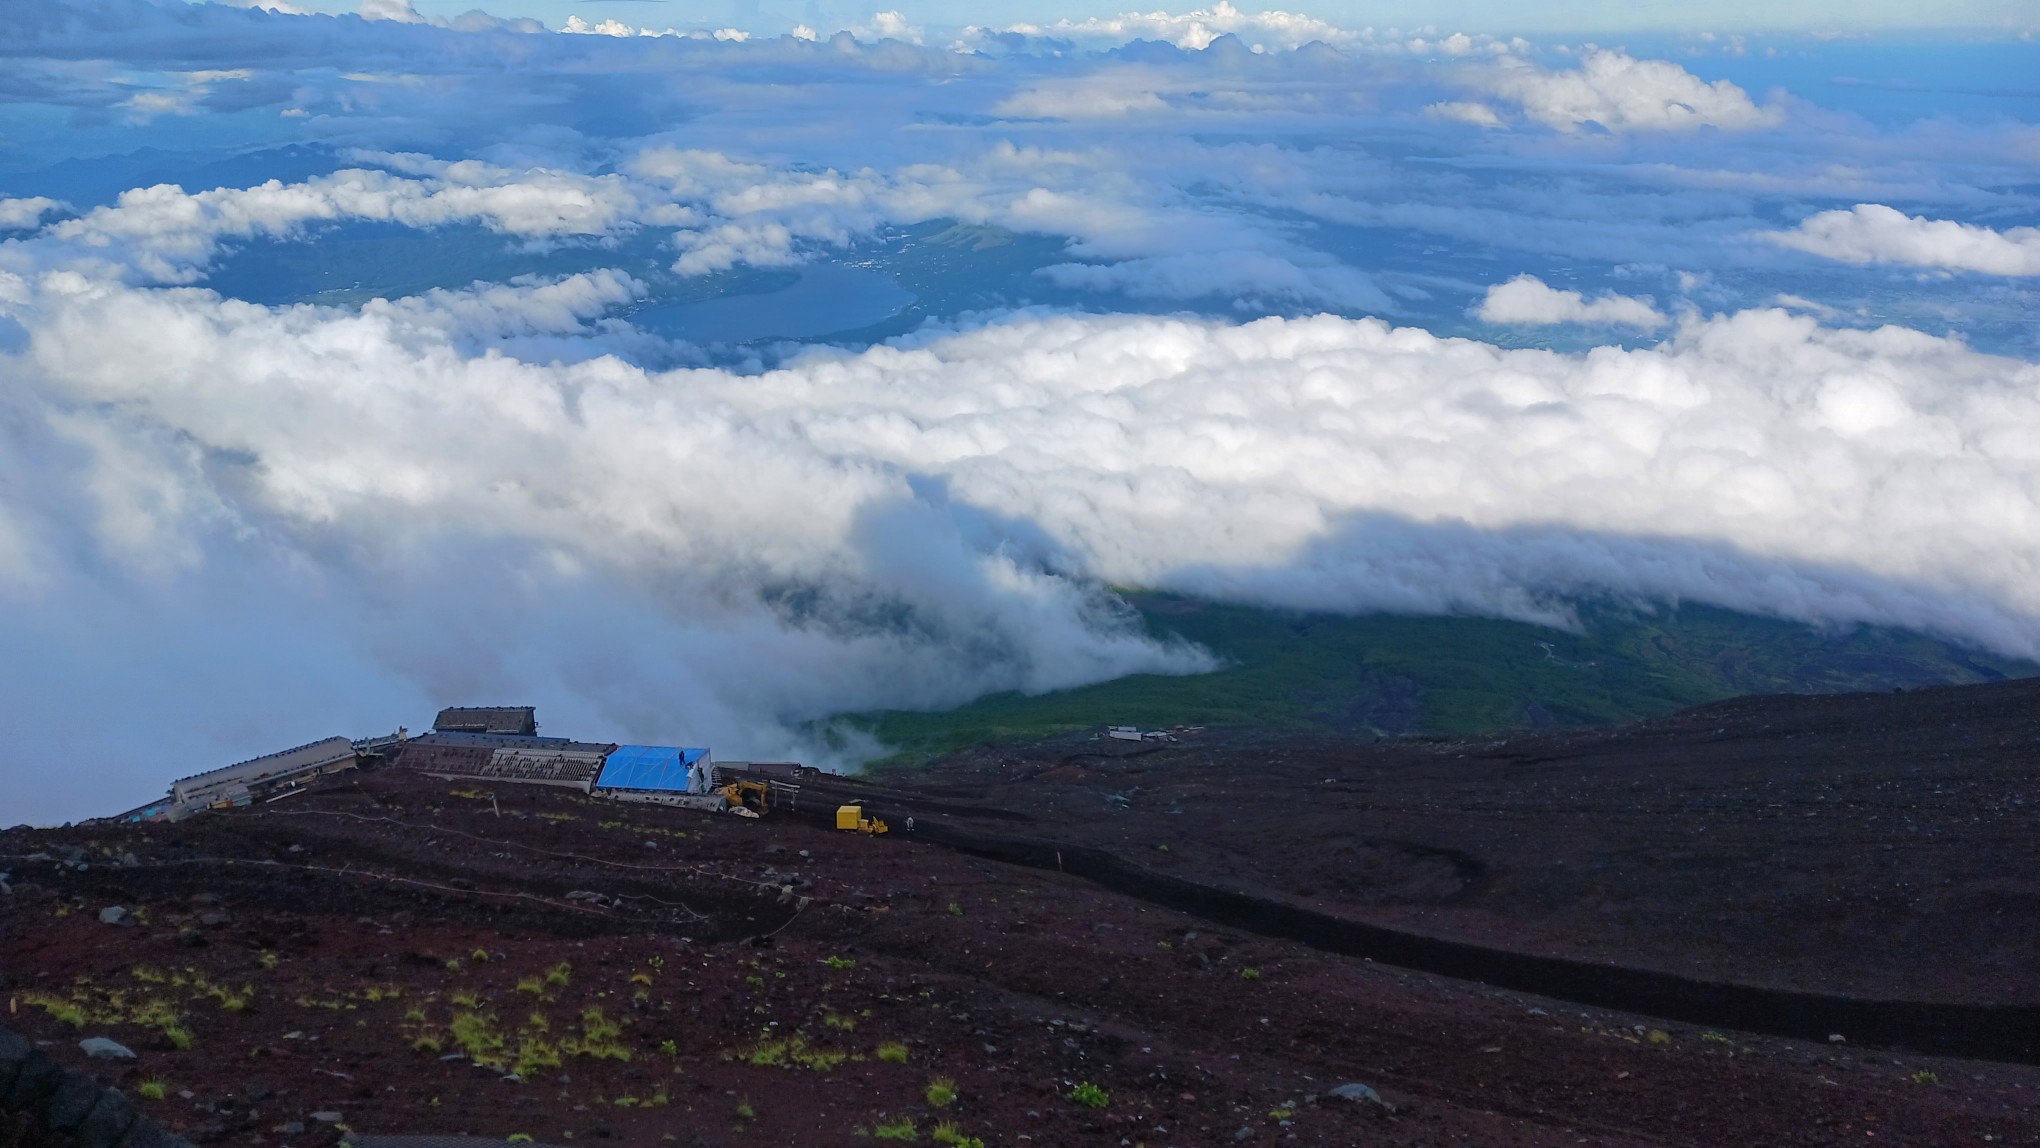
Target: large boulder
<point x="33" y="1082"/>
<point x="109" y="1120"/>
<point x="75" y="1096"/>
<point x="14" y="1049"/>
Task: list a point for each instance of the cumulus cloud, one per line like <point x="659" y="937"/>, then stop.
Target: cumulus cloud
<point x="1200" y="29"/>
<point x="1875" y="233"/>
<point x="1528" y="300"/>
<point x="1623" y="94"/>
<point x="979" y="480"/>
<point x="1195" y="30"/>
<point x="399" y="11"/>
<point x="21" y="214"/>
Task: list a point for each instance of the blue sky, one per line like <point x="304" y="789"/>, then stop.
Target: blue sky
<point x="696" y="380"/>
<point x="1590" y="16"/>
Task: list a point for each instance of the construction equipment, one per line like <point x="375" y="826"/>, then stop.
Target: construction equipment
<point x="851" y="817"/>
<point x="747" y="798"/>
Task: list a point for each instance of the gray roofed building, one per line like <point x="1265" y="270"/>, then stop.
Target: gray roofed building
<point x="506" y="757"/>
<point x="519" y="721"/>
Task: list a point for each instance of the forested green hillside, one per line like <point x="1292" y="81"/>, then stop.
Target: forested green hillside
<point x="1391" y="674"/>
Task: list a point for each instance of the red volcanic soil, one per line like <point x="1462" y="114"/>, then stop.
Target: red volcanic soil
<point x="390" y="948"/>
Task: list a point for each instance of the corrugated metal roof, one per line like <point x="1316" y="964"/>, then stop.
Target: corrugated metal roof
<point x="510" y="741"/>
<point x="649" y="767"/>
<point x="305" y="756"/>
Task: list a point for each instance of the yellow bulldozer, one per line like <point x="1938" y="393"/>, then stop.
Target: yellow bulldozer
<point x="747" y="798"/>
<point x="851" y="817"/>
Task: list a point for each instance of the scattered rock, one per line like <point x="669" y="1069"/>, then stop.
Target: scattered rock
<point x="328" y="1117"/>
<point x="114" y="915"/>
<point x="129" y="860"/>
<point x="1837" y="1038"/>
<point x="192" y="939"/>
<point x="100" y="1048"/>
<point x="1245" y="1133"/>
<point x="1359" y="1094"/>
<point x="294" y="1128"/>
<point x="214" y="918"/>
<point x="297" y="849"/>
<point x="258" y="1092"/>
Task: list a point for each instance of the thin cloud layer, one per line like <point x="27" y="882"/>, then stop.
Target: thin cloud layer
<point x="1875" y="233"/>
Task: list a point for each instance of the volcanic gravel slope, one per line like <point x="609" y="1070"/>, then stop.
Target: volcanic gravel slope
<point x="1874" y="845"/>
<point x="393" y="950"/>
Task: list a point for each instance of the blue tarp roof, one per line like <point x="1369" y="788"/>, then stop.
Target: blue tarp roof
<point x="648" y="767"/>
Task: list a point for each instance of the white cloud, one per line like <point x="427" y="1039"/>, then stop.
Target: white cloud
<point x="1759" y="461"/>
<point x="1196" y="29"/>
<point x="1528" y="300"/>
<point x="1622" y="94"/>
<point x="1104" y="95"/>
<point x="617" y="29"/>
<point x="169" y="235"/>
<point x="888" y="25"/>
<point x="576" y="26"/>
<point x="1466" y="112"/>
<point x="21" y="214"/>
<point x="730" y="213"/>
<point x="1875" y="233"/>
<point x="398" y="11"/>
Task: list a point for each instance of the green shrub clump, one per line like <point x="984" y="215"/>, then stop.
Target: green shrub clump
<point x="1090" y="1095"/>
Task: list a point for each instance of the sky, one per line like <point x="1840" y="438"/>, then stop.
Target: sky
<point x="770" y="17"/>
<point x="697" y="374"/>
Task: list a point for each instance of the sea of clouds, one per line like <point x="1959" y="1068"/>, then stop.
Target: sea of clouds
<point x="1336" y="319"/>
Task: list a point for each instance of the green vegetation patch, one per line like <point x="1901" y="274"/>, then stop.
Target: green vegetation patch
<point x="1383" y="674"/>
